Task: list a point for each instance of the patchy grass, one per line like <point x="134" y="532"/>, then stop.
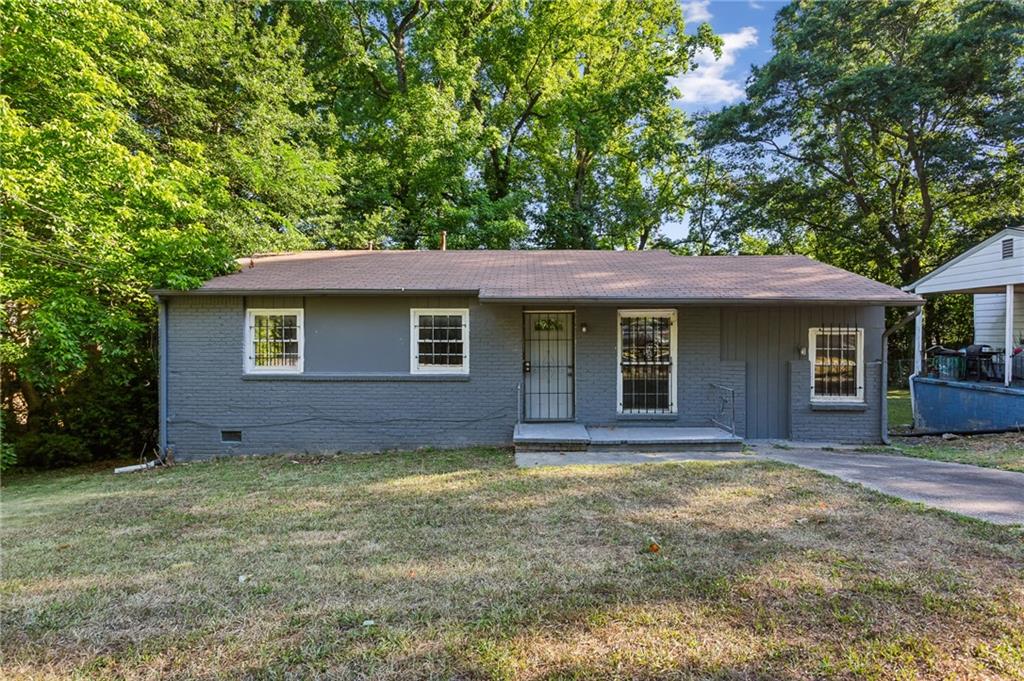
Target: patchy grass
<point x="459" y="565"/>
<point x="1004" y="450"/>
<point x="900" y="414"/>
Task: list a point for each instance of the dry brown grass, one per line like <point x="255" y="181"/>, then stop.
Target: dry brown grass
<point x="471" y="568"/>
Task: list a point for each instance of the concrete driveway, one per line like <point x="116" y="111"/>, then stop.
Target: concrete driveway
<point x="986" y="493"/>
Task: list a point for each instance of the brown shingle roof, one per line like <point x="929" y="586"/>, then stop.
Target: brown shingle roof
<point x="610" y="276"/>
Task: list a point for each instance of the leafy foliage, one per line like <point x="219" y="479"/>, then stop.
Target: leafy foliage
<point x="502" y="123"/>
<point x="129" y="160"/>
<point x="881" y="137"/>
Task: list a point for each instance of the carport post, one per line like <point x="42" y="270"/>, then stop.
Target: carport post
<point x="1008" y="359"/>
<point x="918" y="361"/>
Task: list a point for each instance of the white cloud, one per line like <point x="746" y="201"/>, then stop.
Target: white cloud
<point x="709" y="83"/>
<point x="754" y="4"/>
<point x="696" y="11"/>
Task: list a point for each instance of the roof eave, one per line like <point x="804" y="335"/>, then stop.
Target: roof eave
<point x="314" y="292"/>
<point x="903" y="301"/>
<point x="909" y="301"/>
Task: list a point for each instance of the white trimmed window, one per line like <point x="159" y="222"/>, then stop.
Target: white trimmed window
<point x="647" y="362"/>
<point x="837" y="363"/>
<point x="273" y="341"/>
<point x="440" y="341"/>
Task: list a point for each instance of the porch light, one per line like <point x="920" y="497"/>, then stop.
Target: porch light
<point x="584" y="328"/>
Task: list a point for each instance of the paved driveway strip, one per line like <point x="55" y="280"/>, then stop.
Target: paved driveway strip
<point x="986" y="493"/>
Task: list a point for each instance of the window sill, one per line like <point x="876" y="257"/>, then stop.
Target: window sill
<point x="647" y="417"/>
<point x="381" y="377"/>
<point x="838" y="406"/>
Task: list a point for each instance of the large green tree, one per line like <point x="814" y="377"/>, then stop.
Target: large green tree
<point x="488" y="118"/>
<point x="882" y="136"/>
<point x="141" y="145"/>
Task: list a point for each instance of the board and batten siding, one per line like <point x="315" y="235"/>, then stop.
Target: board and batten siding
<point x="981" y="267"/>
<point x="769" y="341"/>
<point x="990" y="317"/>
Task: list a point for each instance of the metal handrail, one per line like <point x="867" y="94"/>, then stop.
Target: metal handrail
<point x="726" y="401"/>
<point x="519" y="402"/>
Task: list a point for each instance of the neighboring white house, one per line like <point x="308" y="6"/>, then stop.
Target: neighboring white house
<point x="994" y="272"/>
<point x="944" y="398"/>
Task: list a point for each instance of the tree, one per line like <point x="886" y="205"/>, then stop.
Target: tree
<point x="615" y="86"/>
<point x="643" y="179"/>
<point x="390" y="74"/>
<point x="126" y="166"/>
<point x="886" y="134"/>
<point x="482" y="117"/>
<point x="229" y="84"/>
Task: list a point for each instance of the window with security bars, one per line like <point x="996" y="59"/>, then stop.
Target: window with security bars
<point x="274" y="341"/>
<point x="440" y="341"/>
<point x="646" y="362"/>
<point x="836" y="355"/>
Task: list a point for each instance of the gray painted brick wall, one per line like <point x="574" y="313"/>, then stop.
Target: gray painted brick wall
<point x="207" y="391"/>
<point x="768" y="340"/>
<point x="698" y="368"/>
<point x="333" y="408"/>
<point x="823" y="424"/>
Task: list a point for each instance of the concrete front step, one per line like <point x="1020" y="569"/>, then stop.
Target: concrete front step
<point x="574" y="437"/>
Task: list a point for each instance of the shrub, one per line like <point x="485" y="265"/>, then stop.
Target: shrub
<point x="8" y="456"/>
<point x="48" y="450"/>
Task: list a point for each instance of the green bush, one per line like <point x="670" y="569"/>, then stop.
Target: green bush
<point x="49" y="450"/>
<point x="8" y="456"/>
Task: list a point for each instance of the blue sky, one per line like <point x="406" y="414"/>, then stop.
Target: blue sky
<point x="746" y="29"/>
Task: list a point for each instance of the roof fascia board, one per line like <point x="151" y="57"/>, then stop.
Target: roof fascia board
<point x="910" y="301"/>
<point x="315" y="292"/>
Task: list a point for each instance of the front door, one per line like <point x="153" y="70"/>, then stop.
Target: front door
<point x="549" y="359"/>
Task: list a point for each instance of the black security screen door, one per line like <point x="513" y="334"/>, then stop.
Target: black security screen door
<point x="645" y="363"/>
<point x="549" y="358"/>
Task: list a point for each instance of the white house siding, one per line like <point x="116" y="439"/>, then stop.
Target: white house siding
<point x="990" y="317"/>
<point x="980" y="268"/>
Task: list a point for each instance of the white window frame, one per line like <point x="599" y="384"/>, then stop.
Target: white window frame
<point x="673" y="388"/>
<point x="249" y="355"/>
<point x="812" y="354"/>
<point x="414" y="340"/>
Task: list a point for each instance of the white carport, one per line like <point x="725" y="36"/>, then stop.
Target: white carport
<point x="995" y="266"/>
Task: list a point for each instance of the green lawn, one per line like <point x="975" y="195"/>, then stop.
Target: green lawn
<point x="1005" y="451"/>
<point x="900" y="414"/>
<point x="459" y="565"/>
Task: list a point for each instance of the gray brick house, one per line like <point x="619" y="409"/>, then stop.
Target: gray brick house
<point x="367" y="350"/>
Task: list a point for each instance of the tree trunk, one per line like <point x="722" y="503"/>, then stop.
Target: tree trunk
<point x="583" y="232"/>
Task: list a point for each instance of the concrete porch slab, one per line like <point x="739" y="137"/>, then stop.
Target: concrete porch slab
<point x="602" y="436"/>
<point x="550" y="433"/>
<point x="565" y="437"/>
